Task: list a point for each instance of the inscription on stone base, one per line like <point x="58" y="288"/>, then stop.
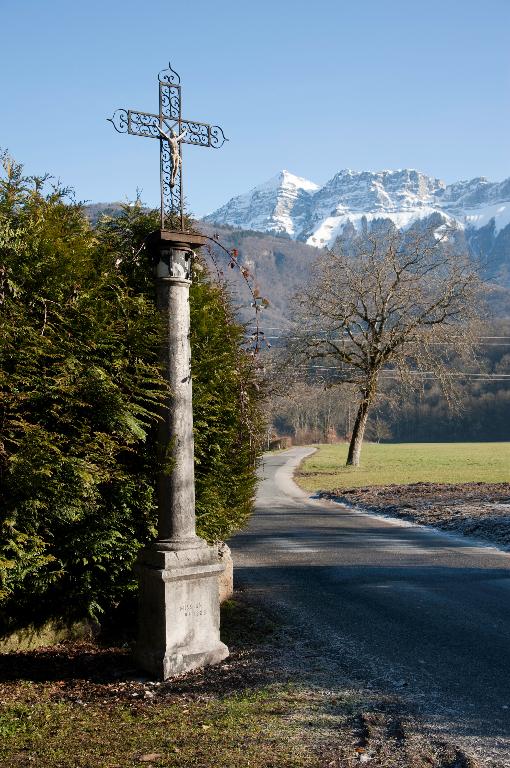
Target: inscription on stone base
<point x="192" y="609"/>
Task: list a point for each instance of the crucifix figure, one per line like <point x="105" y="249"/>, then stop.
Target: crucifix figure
<point x="175" y="153"/>
<point x="182" y="131"/>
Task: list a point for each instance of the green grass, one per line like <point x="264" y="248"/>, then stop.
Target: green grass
<point x="229" y="724"/>
<point x="384" y="464"/>
<point x="250" y="729"/>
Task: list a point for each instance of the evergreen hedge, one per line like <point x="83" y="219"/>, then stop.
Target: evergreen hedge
<point x="80" y="389"/>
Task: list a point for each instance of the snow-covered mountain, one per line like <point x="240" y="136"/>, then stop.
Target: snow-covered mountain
<point x="292" y="206"/>
<point x="279" y="206"/>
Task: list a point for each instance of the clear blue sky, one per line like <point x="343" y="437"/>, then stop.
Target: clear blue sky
<point x="312" y="86"/>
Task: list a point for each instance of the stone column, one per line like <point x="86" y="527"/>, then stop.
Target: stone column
<point x="177" y="484"/>
<point x="178" y="574"/>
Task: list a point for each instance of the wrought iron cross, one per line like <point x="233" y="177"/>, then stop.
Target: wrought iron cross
<point x="173" y="131"/>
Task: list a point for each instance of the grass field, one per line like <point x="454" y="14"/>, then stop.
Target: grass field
<point x="250" y="729"/>
<point x="382" y="464"/>
<point x="78" y="706"/>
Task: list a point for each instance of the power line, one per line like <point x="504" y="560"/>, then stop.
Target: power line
<point x="278" y="328"/>
<point x="479" y="340"/>
<point x="492" y="380"/>
<point x="391" y="371"/>
<point x="390" y="375"/>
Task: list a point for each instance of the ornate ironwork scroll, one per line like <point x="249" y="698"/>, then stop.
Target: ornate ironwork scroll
<point x="173" y="131"/>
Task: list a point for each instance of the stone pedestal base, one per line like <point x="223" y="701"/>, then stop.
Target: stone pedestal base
<point x="179" y="617"/>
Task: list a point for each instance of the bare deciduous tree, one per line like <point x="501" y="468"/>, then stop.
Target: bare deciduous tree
<point x="391" y="304"/>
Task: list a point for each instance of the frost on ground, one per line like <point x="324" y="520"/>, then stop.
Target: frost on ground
<point x="328" y="719"/>
<point x="481" y="510"/>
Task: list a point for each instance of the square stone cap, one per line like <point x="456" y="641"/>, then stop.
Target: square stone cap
<point x="187" y="240"/>
<point x="180" y="566"/>
<point x="203" y="558"/>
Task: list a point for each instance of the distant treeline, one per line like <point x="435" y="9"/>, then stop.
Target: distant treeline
<point x="484" y="415"/>
<point x="312" y="412"/>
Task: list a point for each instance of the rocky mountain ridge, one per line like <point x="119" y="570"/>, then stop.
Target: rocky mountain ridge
<point x="297" y="208"/>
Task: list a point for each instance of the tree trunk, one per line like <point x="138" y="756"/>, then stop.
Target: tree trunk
<point x="358" y="432"/>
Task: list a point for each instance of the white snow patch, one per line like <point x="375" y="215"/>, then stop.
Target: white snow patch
<point x="298" y="181"/>
<point x="480" y="217"/>
<point x="329" y="229"/>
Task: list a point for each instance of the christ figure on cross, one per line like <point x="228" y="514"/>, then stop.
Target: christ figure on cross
<point x="175" y="151"/>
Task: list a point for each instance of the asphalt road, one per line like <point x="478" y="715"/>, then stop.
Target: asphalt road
<point x="401" y="607"/>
